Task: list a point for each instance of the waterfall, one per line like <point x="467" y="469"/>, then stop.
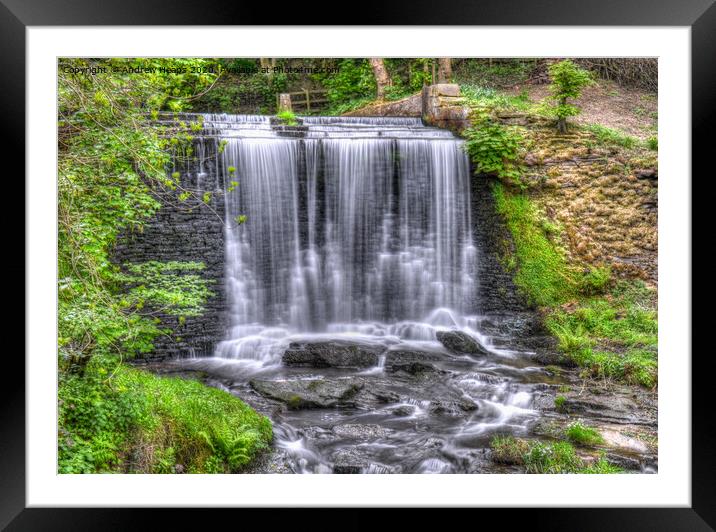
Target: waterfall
<point x="353" y="222"/>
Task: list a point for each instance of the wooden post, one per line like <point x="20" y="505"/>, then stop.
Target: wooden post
<point x="284" y="102"/>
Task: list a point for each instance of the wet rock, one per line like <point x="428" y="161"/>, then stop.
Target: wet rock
<point x="460" y="342"/>
<point x="361" y="432"/>
<point x="383" y="396"/>
<point x="349" y="461"/>
<point x="275" y="461"/>
<point x="335" y="354"/>
<point x="452" y="407"/>
<point x="402" y="411"/>
<point x="304" y="394"/>
<point x="412" y="368"/>
<point x="347" y="469"/>
<point x="552" y="358"/>
<point x="646" y="173"/>
<point x="625" y="462"/>
<point x="411" y="362"/>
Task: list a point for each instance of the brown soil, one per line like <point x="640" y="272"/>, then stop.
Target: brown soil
<point x="633" y="111"/>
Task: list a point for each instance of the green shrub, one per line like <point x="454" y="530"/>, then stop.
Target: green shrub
<point x="559" y="402"/>
<point x="508" y="450"/>
<point x="353" y="80"/>
<point x="287" y="117"/>
<point x="580" y="434"/>
<point x="494" y="149"/>
<point x="653" y="143"/>
<point x="138" y="422"/>
<point x="568" y="80"/>
<point x="596" y="280"/>
<point x="558" y="457"/>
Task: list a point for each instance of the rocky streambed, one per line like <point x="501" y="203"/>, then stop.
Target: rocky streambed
<point x="355" y="403"/>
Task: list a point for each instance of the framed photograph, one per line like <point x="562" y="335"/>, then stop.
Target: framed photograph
<point x="392" y="265"/>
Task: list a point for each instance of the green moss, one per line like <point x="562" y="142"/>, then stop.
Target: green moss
<point x="294" y="401"/>
<point x="580" y="434"/>
<point x="542" y="271"/>
<point x="139" y="422"/>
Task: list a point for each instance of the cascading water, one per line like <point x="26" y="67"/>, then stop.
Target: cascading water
<point x="359" y="231"/>
<point x="363" y="221"/>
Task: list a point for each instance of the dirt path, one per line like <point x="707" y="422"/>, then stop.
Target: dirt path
<point x="633" y="111"/>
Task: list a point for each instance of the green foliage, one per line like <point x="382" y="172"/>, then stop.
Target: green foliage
<point x="559" y="402"/>
<point x="612" y="333"/>
<point x="250" y="92"/>
<point x="558" y="457"/>
<point x="509" y="450"/>
<point x="148" y="424"/>
<point x="353" y="80"/>
<point x="542" y="271"/>
<point x="611" y="137"/>
<point x="580" y="434"/>
<point x="484" y="102"/>
<point x="494" y="149"/>
<point x="568" y="80"/>
<point x="653" y="143"/>
<point x="287" y="117"/>
<point x="547" y="458"/>
<point x="595" y="280"/>
<point x="167" y="286"/>
<point x="493" y="73"/>
<point x="113" y="174"/>
<point x="600" y="467"/>
<point x="612" y="336"/>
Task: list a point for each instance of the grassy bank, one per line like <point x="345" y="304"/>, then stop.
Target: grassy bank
<point x="609" y="327"/>
<point x="139" y="422"/>
<point x="605" y="321"/>
<point x="546" y="458"/>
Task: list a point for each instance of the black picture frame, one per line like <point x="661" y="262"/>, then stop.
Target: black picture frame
<point x="699" y="15"/>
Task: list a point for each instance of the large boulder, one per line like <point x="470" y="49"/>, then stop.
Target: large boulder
<point x="303" y="394"/>
<point x="411" y="362"/>
<point x="460" y="342"/>
<point x="334" y="354"/>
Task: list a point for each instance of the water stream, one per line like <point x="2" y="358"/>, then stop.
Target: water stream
<point x="358" y="232"/>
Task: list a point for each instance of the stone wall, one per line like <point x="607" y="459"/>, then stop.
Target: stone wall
<point x="497" y="292"/>
<point x="187" y="231"/>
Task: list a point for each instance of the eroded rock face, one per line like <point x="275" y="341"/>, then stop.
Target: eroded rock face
<point x="460" y="342"/>
<point x="332" y="354"/>
<point x="303" y="394"/>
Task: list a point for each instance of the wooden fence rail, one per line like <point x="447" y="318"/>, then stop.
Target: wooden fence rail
<point x="304" y="99"/>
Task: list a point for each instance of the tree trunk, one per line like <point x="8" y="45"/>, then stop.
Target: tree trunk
<point x="444" y="70"/>
<point x="562" y="122"/>
<point x="382" y="79"/>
